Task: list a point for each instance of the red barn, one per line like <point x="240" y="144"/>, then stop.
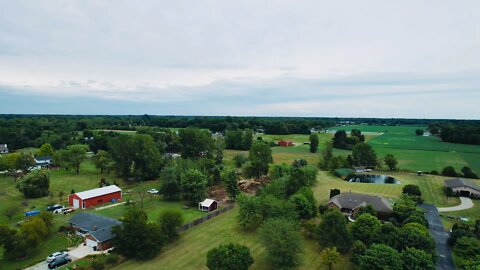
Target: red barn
<point x="95" y="197"/>
<point x="285" y="143"/>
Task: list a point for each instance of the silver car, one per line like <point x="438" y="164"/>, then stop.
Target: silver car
<point x="56" y="255"/>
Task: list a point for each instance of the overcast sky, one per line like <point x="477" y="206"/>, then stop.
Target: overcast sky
<point x="415" y="59"/>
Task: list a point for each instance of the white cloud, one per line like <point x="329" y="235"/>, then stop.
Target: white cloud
<point x="185" y="51"/>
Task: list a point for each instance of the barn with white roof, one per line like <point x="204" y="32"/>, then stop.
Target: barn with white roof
<point x="94" y="197"/>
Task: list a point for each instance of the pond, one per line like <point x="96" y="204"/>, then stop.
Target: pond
<point x="373" y="179"/>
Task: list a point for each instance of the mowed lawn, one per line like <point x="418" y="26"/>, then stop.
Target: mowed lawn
<point x="190" y="251"/>
<point x="431" y="187"/>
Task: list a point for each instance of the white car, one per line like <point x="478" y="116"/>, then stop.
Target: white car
<point x="59" y="210"/>
<point x="152" y="191"/>
<point x="56" y="255"/>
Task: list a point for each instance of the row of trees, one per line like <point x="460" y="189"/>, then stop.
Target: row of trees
<point x="278" y="208"/>
<point x="457" y="133"/>
<point x="342" y="141"/>
<point x="362" y="155"/>
<point x="465" y="240"/>
<point x="378" y="246"/>
<point x="238" y="139"/>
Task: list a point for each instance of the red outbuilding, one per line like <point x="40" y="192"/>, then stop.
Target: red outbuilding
<point x="94" y="197"/>
<point x="285" y="143"/>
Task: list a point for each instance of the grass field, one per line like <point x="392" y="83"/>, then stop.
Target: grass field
<point x="423" y="153"/>
<point x="65" y="181"/>
<point x="189" y="252"/>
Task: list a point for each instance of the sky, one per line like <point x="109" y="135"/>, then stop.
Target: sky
<point x="405" y="59"/>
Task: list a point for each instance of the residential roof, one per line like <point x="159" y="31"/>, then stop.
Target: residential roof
<point x="207" y="202"/>
<point x="352" y="201"/>
<point x="98" y="226"/>
<point x="460" y="182"/>
<point x="98" y="192"/>
<point x="43" y="159"/>
<point x="103" y="234"/>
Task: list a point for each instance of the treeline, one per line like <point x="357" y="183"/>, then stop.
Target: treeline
<point x="457" y="133"/>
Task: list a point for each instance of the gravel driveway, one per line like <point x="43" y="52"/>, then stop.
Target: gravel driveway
<point x="465" y="203"/>
<point x="438" y="232"/>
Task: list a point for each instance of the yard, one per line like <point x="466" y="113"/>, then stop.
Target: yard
<point x="190" y="250"/>
<point x="65" y="181"/>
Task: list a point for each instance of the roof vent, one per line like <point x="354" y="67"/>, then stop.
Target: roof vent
<point x="94" y="228"/>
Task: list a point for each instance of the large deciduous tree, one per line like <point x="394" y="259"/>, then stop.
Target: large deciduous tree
<point x="313" y="142"/>
<point x="194" y="186"/>
<point x="45" y="150"/>
<point x="391" y="162"/>
<point x="136" y="157"/>
<point x="414" y="259"/>
<point x="365" y="227"/>
<point x="332" y="231"/>
<point x="137" y="238"/>
<point x="169" y="220"/>
<point x="196" y="143"/>
<point x="364" y="155"/>
<point x="229" y="257"/>
<point x="282" y="241"/>
<point x="35" y="185"/>
<point x="230" y="181"/>
<point x="259" y="156"/>
<point x="380" y="257"/>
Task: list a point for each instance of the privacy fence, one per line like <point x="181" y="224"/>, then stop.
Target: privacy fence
<point x="205" y="218"/>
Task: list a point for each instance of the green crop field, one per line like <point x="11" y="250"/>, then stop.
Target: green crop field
<point x="190" y="251"/>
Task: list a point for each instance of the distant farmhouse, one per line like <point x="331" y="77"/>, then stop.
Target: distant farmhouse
<point x="285" y="143"/>
<point x="463" y="187"/>
<point x="3" y="149"/>
<point x="43" y="162"/>
<point x="349" y="203"/>
<point x="96" y="229"/>
<point x="95" y="197"/>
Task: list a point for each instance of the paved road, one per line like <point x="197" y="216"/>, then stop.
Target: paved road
<point x="465" y="203"/>
<point x="435" y="226"/>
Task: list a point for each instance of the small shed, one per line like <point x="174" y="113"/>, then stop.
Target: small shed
<point x="285" y="143"/>
<point x="208" y="205"/>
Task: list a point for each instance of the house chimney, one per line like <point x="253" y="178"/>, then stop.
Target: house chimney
<point x="94" y="228"/>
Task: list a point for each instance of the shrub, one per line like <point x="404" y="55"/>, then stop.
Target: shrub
<point x="449" y="171"/>
<point x="112" y="258"/>
<point x="96" y="265"/>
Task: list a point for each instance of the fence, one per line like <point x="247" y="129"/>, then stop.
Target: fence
<point x="205" y="218"/>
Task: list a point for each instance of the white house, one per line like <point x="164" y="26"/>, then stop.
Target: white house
<point x="3" y="149"/>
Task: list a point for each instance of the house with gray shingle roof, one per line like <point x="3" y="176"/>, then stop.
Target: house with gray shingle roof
<point x="96" y="229"/>
<point x="350" y="203"/>
<point x="463" y="187"/>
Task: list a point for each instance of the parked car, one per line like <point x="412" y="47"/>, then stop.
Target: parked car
<point x="54" y="207"/>
<point x="56" y="255"/>
<point x="152" y="191"/>
<point x="68" y="210"/>
<point x="59" y="262"/>
<point x="59" y="210"/>
<point x="32" y="213"/>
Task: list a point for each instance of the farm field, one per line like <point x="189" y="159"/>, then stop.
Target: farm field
<point x="425" y="153"/>
<point x="190" y="250"/>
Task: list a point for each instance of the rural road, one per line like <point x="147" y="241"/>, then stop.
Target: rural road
<point x="438" y="232"/>
<point x="465" y="203"/>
